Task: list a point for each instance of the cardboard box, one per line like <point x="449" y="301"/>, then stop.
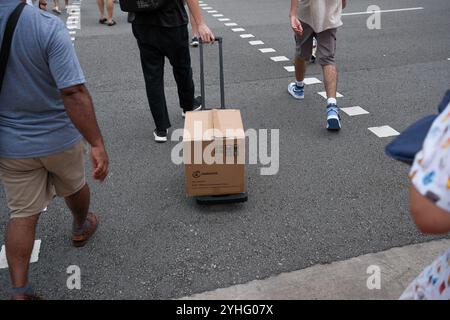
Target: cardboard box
<point x="214" y="152"/>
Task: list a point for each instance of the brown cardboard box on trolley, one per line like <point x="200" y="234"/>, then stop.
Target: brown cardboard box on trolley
<point x="214" y="152"/>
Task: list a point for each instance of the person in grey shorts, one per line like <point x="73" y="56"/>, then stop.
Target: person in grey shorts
<point x="319" y="19"/>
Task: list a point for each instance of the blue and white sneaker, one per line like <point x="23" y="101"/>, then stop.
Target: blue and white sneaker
<point x="296" y="91"/>
<point x="333" y="118"/>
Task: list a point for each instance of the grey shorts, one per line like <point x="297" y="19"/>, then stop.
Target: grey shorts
<point x="326" y="45"/>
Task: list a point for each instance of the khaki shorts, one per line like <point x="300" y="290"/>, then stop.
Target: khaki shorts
<point x="326" y="45"/>
<point x="31" y="184"/>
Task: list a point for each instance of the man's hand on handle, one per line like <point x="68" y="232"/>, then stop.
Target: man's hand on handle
<point x="203" y="30"/>
<point x="205" y="33"/>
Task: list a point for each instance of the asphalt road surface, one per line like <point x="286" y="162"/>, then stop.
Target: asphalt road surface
<point x="336" y="195"/>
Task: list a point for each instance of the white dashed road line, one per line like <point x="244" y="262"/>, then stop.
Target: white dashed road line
<point x="256" y="43"/>
<point x="310" y="81"/>
<point x="279" y="58"/>
<point x="354" y="111"/>
<point x="384" y="131"/>
<point x="267" y="50"/>
<point x="290" y="68"/>
<point x="323" y="94"/>
<point x="34" y="254"/>
<point x="238" y="29"/>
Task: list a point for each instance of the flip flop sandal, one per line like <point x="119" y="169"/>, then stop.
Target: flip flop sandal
<point x="112" y="23"/>
<point x="56" y="11"/>
<point x="102" y="21"/>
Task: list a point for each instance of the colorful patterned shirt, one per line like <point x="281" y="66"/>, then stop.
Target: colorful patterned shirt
<point x="430" y="175"/>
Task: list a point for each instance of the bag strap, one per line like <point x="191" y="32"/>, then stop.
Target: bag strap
<point x="7" y="40"/>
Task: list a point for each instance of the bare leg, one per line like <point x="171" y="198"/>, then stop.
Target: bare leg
<point x="300" y="69"/>
<point x="78" y="204"/>
<point x="20" y="236"/>
<point x="110" y="8"/>
<point x="330" y="76"/>
<point x="101" y="8"/>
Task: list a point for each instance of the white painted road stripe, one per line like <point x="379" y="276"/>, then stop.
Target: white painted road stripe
<point x="246" y="36"/>
<point x="206" y="8"/>
<point x="212" y="11"/>
<point x="231" y="24"/>
<point x="34" y="254"/>
<point x="323" y="94"/>
<point x="267" y="50"/>
<point x="217" y="15"/>
<point x="381" y="11"/>
<point x="224" y="19"/>
<point x="238" y="29"/>
<point x="279" y="58"/>
<point x="384" y="131"/>
<point x="290" y="68"/>
<point x="310" y="81"/>
<point x="256" y="42"/>
<point x="354" y="111"/>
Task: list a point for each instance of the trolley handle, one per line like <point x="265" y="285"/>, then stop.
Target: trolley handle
<point x="202" y="74"/>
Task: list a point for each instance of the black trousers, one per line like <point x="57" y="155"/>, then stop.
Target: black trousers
<point x="155" y="43"/>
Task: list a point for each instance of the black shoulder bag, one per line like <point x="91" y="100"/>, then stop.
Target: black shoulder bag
<point x="142" y="5"/>
<point x="7" y="40"/>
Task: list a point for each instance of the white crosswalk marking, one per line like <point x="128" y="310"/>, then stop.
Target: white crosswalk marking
<point x="290" y="68"/>
<point x="354" y="111"/>
<point x="267" y="50"/>
<point x="323" y="94"/>
<point x="279" y="58"/>
<point x="256" y="42"/>
<point x="384" y="131"/>
<point x="34" y="254"/>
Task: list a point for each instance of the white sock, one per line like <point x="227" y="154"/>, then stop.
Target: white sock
<point x="331" y="101"/>
<point x="299" y="83"/>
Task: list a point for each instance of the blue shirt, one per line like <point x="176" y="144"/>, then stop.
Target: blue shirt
<point x="33" y="120"/>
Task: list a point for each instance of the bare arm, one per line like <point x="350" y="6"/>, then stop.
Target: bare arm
<point x="295" y="22"/>
<point x="79" y="107"/>
<point x="428" y="217"/>
<point x="203" y="30"/>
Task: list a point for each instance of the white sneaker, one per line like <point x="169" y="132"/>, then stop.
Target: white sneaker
<point x="160" y="135"/>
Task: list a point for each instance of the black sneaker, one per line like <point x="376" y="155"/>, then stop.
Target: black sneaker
<point x="195" y="42"/>
<point x="160" y="135"/>
<point x="197" y="106"/>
